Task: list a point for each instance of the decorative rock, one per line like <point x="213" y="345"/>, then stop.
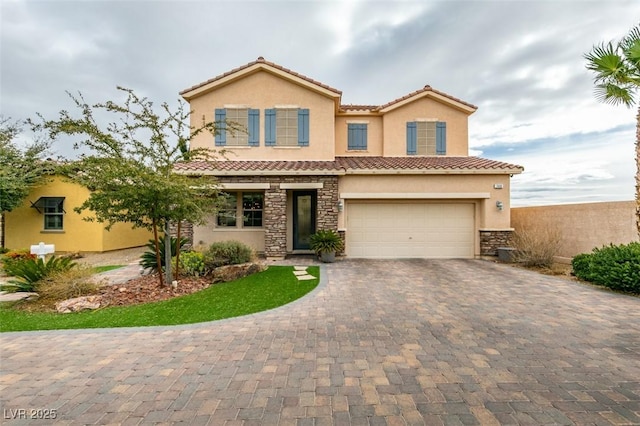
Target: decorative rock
<point x="234" y="272"/>
<point x="78" y="304"/>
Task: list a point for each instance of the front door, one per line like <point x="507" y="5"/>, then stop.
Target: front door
<point x="304" y="218"/>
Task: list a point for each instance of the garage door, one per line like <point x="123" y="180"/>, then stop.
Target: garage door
<point x="410" y="230"/>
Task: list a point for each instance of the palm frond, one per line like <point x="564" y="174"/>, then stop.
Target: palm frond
<point x="605" y="61"/>
<point x="614" y="94"/>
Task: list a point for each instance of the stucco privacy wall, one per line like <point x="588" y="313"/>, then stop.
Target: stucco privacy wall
<point x="582" y="226"/>
<point x="24" y="225"/>
<point x="274" y="91"/>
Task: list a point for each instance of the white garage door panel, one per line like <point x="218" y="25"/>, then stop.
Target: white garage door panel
<point x="404" y="230"/>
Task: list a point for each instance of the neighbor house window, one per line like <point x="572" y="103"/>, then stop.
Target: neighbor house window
<point x="237" y="127"/>
<point x="426" y="138"/>
<point x="356" y="136"/>
<point x="286" y="127"/>
<point x="245" y="205"/>
<point x="52" y="208"/>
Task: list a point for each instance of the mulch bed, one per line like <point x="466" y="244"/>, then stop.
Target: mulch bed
<point x="147" y="289"/>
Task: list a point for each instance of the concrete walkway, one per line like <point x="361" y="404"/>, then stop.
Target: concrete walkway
<point x="455" y="342"/>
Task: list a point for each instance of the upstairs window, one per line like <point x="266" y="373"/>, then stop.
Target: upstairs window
<point x="237" y="126"/>
<point x="53" y="210"/>
<point x="286" y="127"/>
<point x="356" y="136"/>
<point x="426" y="138"/>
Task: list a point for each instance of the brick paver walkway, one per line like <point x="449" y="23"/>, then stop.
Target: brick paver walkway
<point x="381" y="342"/>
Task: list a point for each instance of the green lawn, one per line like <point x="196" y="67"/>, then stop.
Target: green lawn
<point x="274" y="287"/>
<point x="100" y="269"/>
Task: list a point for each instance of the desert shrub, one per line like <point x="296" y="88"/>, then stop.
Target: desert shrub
<point x="227" y="253"/>
<point x="613" y="266"/>
<point x="581" y="266"/>
<point x="4" y="250"/>
<point x="62" y="285"/>
<point x="192" y="263"/>
<point x="14" y="258"/>
<point x="536" y="245"/>
<point x="148" y="259"/>
<point x="29" y="272"/>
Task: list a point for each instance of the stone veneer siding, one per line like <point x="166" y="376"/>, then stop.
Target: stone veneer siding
<point x="491" y="240"/>
<point x="186" y="231"/>
<point x="275" y="207"/>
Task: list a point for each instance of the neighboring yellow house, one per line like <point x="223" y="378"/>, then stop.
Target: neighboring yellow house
<point x="396" y="180"/>
<point x="47" y="216"/>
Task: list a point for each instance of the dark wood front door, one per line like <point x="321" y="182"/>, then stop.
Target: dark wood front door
<point x="304" y="218"/>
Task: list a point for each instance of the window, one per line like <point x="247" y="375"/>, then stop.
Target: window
<point x="426" y="138"/>
<point x="227" y="212"/>
<point x="286" y="127"/>
<point x="247" y="205"/>
<point x="252" y="205"/>
<point x="356" y="136"/>
<point x="238" y="127"/>
<point x="53" y="210"/>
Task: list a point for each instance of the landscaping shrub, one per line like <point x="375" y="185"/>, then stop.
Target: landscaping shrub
<point x="29" y="272"/>
<point x="227" y="253"/>
<point x="616" y="267"/>
<point x="13" y="258"/>
<point x="192" y="263"/>
<point x="148" y="259"/>
<point x="63" y="285"/>
<point x="536" y="245"/>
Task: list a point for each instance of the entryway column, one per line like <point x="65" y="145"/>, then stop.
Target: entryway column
<point x="275" y="222"/>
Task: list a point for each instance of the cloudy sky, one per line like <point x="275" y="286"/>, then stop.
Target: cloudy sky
<point x="520" y="62"/>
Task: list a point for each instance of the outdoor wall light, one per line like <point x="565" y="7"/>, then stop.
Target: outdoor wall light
<point x="340" y="205"/>
<point x="499" y="205"/>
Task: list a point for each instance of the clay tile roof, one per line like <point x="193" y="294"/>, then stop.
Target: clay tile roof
<point x="261" y="60"/>
<point x="427" y="88"/>
<point x="423" y="163"/>
<point x="257" y="166"/>
<point x="352" y="107"/>
<point x="349" y="164"/>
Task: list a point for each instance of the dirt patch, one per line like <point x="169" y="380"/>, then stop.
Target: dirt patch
<point x="115" y="257"/>
<point x="147" y="289"/>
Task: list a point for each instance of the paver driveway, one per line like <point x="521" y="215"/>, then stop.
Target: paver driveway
<point x="381" y="342"/>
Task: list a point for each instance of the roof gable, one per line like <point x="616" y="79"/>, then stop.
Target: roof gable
<point x="259" y="65"/>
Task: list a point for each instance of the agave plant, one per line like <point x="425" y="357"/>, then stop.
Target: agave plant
<point x="148" y="260"/>
<point x="29" y="272"/>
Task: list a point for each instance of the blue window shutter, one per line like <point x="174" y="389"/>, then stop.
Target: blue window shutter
<point x="303" y="127"/>
<point x="411" y="138"/>
<point x="221" y="130"/>
<point x="254" y="127"/>
<point x="270" y="127"/>
<point x="441" y="138"/>
<point x="357" y="136"/>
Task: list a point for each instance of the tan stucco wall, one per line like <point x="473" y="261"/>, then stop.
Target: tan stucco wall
<point x="374" y="134"/>
<point x="487" y="215"/>
<point x="582" y="226"/>
<point x="264" y="90"/>
<point x="203" y="235"/>
<point x="24" y="225"/>
<point x="395" y="126"/>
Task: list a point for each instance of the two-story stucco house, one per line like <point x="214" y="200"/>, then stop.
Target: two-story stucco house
<point x="395" y="179"/>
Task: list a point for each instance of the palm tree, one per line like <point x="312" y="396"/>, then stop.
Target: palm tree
<point x="617" y="81"/>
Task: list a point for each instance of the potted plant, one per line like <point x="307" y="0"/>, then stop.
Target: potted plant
<point x="326" y="243"/>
